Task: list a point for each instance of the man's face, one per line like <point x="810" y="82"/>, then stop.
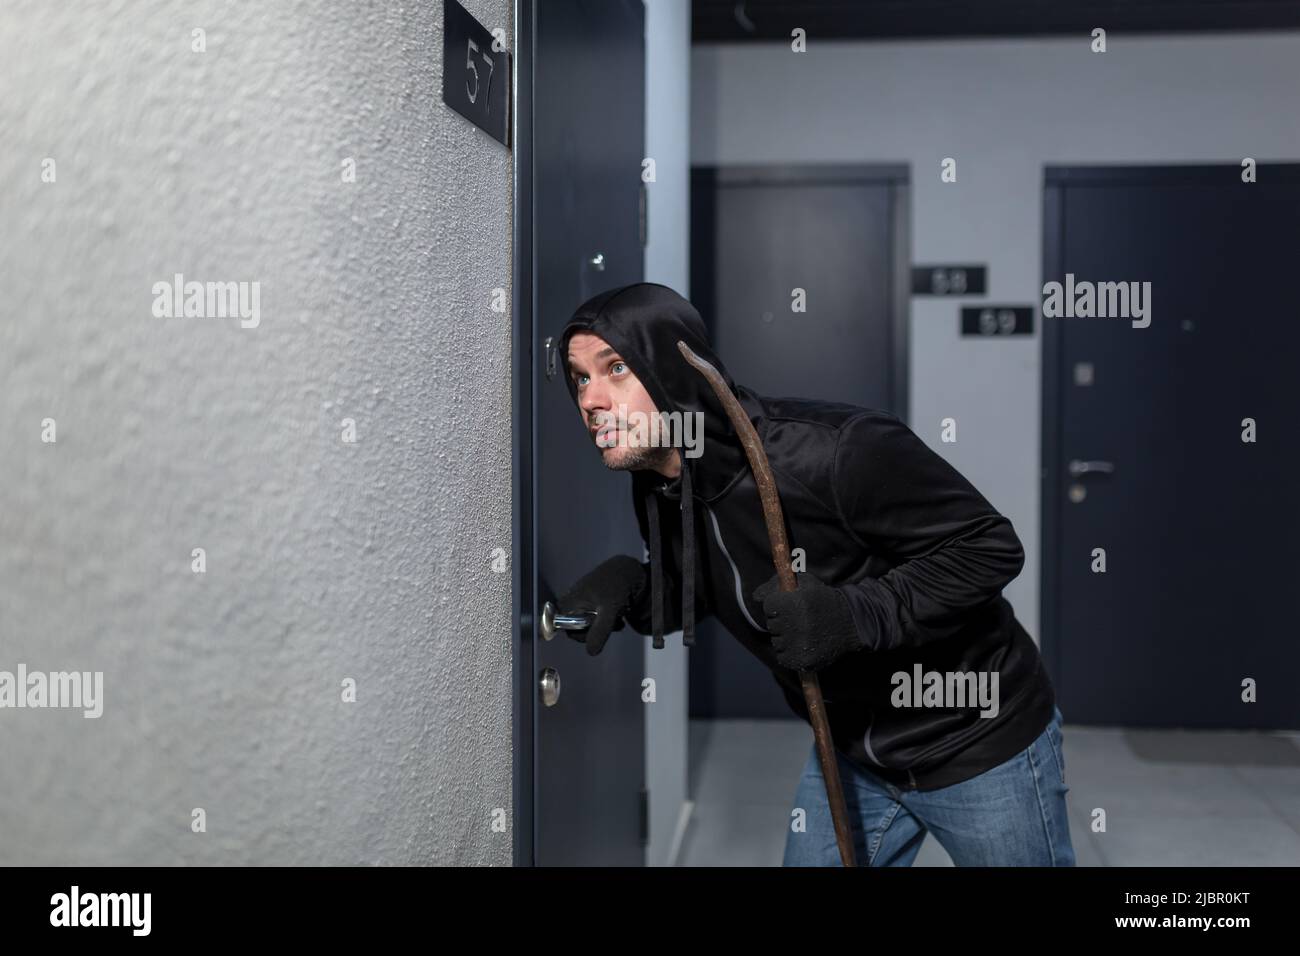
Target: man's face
<point x="604" y="383"/>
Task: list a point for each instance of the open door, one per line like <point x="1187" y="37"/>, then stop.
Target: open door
<point x="583" y="765"/>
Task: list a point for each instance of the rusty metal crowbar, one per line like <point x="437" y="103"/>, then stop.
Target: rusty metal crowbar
<point x="812" y="690"/>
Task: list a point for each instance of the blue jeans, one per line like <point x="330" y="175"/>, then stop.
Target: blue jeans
<point x="1011" y="815"/>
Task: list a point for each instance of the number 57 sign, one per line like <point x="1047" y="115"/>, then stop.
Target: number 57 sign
<point x="476" y="76"/>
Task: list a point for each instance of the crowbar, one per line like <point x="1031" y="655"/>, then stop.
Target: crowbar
<point x="812" y="688"/>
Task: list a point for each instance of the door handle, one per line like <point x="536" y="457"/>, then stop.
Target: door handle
<point x="553" y="620"/>
<point x="1078" y="467"/>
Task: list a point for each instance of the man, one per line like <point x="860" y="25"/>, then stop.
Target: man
<point x="943" y="717"/>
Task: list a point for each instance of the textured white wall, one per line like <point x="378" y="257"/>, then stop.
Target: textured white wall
<point x="326" y="560"/>
<point x="1002" y="109"/>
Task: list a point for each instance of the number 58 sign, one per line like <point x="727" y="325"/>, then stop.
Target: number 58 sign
<point x="476" y="77"/>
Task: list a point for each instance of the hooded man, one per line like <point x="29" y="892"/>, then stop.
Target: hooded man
<point x="943" y="717"/>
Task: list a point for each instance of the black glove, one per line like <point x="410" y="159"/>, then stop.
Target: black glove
<point x="609" y="589"/>
<point x="812" y="626"/>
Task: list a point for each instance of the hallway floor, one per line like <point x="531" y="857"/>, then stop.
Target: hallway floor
<point x="1172" y="798"/>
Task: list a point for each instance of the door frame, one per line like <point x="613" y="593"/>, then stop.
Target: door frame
<point x="1051" y="498"/>
<point x="523" y="556"/>
<point x="896" y="175"/>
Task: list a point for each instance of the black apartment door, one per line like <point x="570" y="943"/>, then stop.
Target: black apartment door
<point x="761" y="236"/>
<point x="589" y="117"/>
<point x="1143" y="457"/>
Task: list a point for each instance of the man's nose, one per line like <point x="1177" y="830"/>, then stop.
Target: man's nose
<point x="595" y="398"/>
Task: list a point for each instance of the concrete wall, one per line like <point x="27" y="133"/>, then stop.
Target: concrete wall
<point x="326" y="559"/>
<point x="667" y="260"/>
<point x="1002" y="109"/>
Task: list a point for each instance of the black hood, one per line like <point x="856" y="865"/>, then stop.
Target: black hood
<point x="643" y="322"/>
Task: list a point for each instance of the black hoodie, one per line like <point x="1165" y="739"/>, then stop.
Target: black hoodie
<point x="869" y="508"/>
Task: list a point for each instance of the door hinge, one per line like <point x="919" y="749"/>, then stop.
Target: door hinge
<point x="644" y="825"/>
<point x="643" y="216"/>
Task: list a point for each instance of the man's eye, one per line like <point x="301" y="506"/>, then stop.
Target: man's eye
<point x="579" y="379"/>
<point x="618" y="364"/>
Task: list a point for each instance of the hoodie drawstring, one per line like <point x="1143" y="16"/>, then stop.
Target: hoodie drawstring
<point x="656" y="573"/>
<point x="688" y="565"/>
<point x="688" y="559"/>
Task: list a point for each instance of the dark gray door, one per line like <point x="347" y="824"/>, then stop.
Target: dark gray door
<point x="1198" y="527"/>
<point x="758" y="234"/>
<point x="589" y="118"/>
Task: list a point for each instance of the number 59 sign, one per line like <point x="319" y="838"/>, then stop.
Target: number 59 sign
<point x="476" y="79"/>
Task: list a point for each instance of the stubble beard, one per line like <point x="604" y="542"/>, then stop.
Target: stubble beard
<point x="638" y="458"/>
